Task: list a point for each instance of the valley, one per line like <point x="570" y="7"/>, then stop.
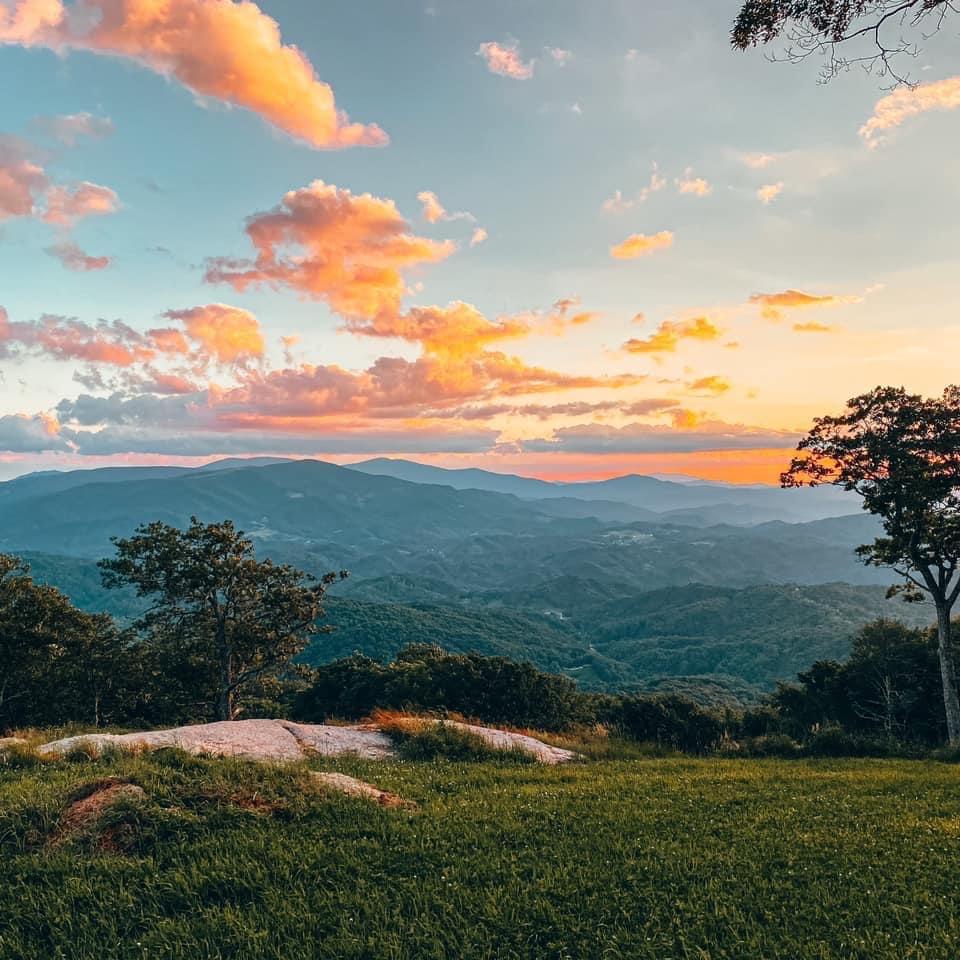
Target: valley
<point x="642" y="593"/>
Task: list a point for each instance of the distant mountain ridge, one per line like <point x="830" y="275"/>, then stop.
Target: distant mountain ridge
<point x="646" y="492"/>
<point x="581" y="578"/>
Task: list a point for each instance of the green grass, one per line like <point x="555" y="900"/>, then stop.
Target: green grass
<point x="655" y="858"/>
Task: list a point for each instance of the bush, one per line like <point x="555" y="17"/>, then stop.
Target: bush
<point x="430" y="740"/>
<point x="837" y="742"/>
<point x="772" y="745"/>
<point x="425" y="678"/>
<point x="670" y="721"/>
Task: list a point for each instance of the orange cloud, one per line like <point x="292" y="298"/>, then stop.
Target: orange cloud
<point x="757" y="161"/>
<point x="228" y="334"/>
<point x="693" y="186"/>
<point x="620" y="204"/>
<point x="479" y="236"/>
<point x="73" y="258"/>
<point x="640" y="245"/>
<point x="713" y="384"/>
<point x="460" y="330"/>
<point x="812" y="327"/>
<point x="505" y="60"/>
<point x="330" y="244"/>
<point x="433" y="210"/>
<point x="773" y="305"/>
<point x="668" y="335"/>
<point x="906" y="102"/>
<point x="65" y="205"/>
<point x="229" y="51"/>
<point x="769" y="192"/>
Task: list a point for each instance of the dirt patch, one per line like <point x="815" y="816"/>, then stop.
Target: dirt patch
<point x="85" y="812"/>
<point x="352" y="787"/>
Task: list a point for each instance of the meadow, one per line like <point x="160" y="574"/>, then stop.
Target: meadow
<point x="642" y="858"/>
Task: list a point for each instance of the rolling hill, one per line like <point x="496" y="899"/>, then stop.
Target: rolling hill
<point x="604" y="590"/>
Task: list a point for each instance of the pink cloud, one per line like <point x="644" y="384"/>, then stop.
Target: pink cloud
<point x="70" y="128"/>
<point x="216" y="48"/>
<point x="21" y="179"/>
<point x="73" y="258"/>
<point x="505" y="60"/>
<point x="65" y="205"/>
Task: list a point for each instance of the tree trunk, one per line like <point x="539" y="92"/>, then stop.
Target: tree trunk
<point x="948" y="674"/>
<point x="225" y="678"/>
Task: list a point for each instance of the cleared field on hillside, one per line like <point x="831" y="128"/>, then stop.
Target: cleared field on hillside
<point x="659" y="859"/>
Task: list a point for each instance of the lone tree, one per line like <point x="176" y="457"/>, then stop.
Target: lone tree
<point x="872" y="33"/>
<point x="901" y="453"/>
<point x="241" y="618"/>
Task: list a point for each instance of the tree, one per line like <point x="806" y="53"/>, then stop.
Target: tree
<point x="901" y="453"/>
<point x="238" y="620"/>
<point x="890" y="685"/>
<point x="52" y="664"/>
<point x="873" y="33"/>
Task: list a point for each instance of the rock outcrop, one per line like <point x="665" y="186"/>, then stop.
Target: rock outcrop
<point x="277" y="740"/>
<point x="283" y="740"/>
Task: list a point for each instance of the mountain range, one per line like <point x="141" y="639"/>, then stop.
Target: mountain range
<point x="622" y="582"/>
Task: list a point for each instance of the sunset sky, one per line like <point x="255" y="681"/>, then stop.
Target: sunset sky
<point x="552" y="237"/>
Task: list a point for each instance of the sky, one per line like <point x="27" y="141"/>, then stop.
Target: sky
<point x="559" y="238"/>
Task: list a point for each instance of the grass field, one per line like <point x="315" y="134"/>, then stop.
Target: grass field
<point x="657" y="858"/>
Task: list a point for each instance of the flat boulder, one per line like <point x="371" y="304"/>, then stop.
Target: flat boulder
<point x="271" y="740"/>
<point x="282" y="741"/>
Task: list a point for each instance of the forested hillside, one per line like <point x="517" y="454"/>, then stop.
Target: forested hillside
<point x="548" y="576"/>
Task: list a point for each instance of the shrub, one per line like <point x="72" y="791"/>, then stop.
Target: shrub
<point x="670" y="721"/>
<point x="772" y="745"/>
<point x="425" y="678"/>
<point x="419" y="739"/>
<point x="837" y="742"/>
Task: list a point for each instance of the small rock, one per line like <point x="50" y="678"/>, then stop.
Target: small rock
<point x="507" y="740"/>
<point x="352" y="787"/>
<point x="85" y="812"/>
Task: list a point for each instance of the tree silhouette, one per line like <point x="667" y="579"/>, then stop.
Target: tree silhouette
<point x="872" y="33"/>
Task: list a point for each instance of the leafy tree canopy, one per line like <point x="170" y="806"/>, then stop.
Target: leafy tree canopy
<point x="901" y="453"/>
<point x="240" y="619"/>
